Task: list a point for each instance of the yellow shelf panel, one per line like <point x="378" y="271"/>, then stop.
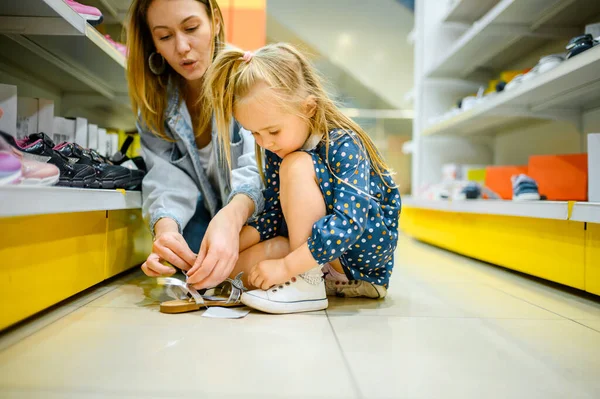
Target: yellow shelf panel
<point x="592" y="259"/>
<point x="550" y="249"/>
<point x="128" y="241"/>
<point x="48" y="258"/>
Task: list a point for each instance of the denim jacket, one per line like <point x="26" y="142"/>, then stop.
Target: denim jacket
<point x="176" y="181"/>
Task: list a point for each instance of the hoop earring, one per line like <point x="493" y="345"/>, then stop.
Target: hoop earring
<point x="157" y="64"/>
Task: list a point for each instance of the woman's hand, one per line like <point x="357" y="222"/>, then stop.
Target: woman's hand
<point x="269" y="273"/>
<point x="169" y="246"/>
<point x="220" y="247"/>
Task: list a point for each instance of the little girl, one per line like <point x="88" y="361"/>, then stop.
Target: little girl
<point x="327" y="187"/>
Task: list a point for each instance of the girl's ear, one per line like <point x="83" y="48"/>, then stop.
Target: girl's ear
<point x="310" y="106"/>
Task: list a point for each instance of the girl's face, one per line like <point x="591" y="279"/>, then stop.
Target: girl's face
<point x="273" y="127"/>
<point x="181" y="31"/>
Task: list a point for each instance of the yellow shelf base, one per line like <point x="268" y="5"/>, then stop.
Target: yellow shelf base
<point x="48" y="258"/>
<point x="551" y="249"/>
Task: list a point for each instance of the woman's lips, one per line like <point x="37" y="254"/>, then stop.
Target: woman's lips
<point x="189" y="66"/>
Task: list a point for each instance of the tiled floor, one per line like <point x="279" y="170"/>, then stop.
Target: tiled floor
<point x="451" y="327"/>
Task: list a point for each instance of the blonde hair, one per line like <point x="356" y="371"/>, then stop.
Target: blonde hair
<point x="286" y="70"/>
<point x="147" y="91"/>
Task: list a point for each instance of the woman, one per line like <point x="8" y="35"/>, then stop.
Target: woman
<point x="192" y="202"/>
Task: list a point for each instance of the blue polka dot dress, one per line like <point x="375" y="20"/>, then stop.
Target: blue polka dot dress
<point x="361" y="225"/>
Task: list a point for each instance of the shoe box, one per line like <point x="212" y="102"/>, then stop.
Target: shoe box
<point x="8" y="103"/>
<point x="92" y="140"/>
<point x="594" y="167"/>
<point x="561" y="177"/>
<point x="497" y="179"/>
<point x="34" y="115"/>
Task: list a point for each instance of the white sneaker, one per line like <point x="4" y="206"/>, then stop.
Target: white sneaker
<point x="300" y="294"/>
<point x="355" y="289"/>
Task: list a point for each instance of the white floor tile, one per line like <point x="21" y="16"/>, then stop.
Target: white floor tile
<point x="395" y="357"/>
<point x="413" y="298"/>
<point x="128" y="351"/>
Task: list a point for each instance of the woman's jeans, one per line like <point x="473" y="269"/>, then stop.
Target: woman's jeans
<point x="194" y="231"/>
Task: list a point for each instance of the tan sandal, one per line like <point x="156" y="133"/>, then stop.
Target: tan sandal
<point x="189" y="299"/>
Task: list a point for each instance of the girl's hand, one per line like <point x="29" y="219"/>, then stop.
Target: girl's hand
<point x="269" y="273"/>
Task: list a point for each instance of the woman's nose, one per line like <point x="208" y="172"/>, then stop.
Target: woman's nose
<point x="183" y="45"/>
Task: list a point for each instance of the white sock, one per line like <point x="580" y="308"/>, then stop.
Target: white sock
<point x="333" y="275"/>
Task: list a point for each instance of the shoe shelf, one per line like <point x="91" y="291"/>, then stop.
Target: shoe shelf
<point x="586" y="212"/>
<point x="468" y="11"/>
<point x="48" y="40"/>
<point x="509" y="31"/>
<point x="561" y="94"/>
<point x="557" y="210"/>
<point x="25" y="201"/>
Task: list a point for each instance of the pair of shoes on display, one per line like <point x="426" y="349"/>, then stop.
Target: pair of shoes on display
<point x="91" y="14"/>
<point x="121" y="47"/>
<point x="579" y="44"/>
<point x="108" y="176"/>
<point x="120" y="157"/>
<point x="524" y="188"/>
<point x="544" y="65"/>
<point x="474" y="190"/>
<point x="39" y="165"/>
<point x="78" y="167"/>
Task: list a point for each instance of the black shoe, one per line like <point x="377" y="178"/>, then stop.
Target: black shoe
<point x="120" y="157"/>
<point x="107" y="176"/>
<point x="39" y="147"/>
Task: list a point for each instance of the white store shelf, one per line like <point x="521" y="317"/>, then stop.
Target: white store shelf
<point x="50" y="42"/>
<point x="468" y="11"/>
<point x="558" y="210"/>
<point x="509" y="31"/>
<point x="586" y="212"/>
<point x="561" y="93"/>
<point x="24" y="201"/>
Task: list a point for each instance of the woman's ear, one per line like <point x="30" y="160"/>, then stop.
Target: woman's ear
<point x="310" y="106"/>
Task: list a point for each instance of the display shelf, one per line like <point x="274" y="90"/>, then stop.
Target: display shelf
<point x="561" y="93"/>
<point x="557" y="210"/>
<point x="23" y="200"/>
<point x="509" y="31"/>
<point x="468" y="11"/>
<point x="586" y="212"/>
<point x="47" y="40"/>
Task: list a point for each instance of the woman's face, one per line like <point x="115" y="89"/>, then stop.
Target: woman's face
<point x="181" y="31"/>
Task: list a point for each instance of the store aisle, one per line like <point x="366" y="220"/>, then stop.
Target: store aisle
<point x="451" y="327"/>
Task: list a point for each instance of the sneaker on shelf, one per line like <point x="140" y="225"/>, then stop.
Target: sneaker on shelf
<point x="579" y="44"/>
<point x="120" y="157"/>
<point x="524" y="188"/>
<point x="33" y="173"/>
<point x="305" y="293"/>
<point x="107" y="176"/>
<point x="91" y="14"/>
<point x="10" y="168"/>
<point x="121" y="47"/>
<point x="39" y="147"/>
<point x="354" y="289"/>
<point x="471" y="191"/>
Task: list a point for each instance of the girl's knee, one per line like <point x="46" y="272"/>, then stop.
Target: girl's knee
<point x="298" y="163"/>
<point x="278" y="247"/>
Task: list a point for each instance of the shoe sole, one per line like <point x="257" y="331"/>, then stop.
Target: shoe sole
<point x="85" y="183"/>
<point x="47" y="181"/>
<point x="11" y="178"/>
<point x="92" y="19"/>
<point x="125" y="183"/>
<point x="267" y="306"/>
<point x="527" y="197"/>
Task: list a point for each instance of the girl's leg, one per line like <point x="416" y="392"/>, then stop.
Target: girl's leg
<point x="274" y="248"/>
<point x="301" y="199"/>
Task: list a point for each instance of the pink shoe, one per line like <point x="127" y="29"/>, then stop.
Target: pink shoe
<point x="30" y="173"/>
<point x="121" y="47"/>
<point x="10" y="168"/>
<point x="91" y="14"/>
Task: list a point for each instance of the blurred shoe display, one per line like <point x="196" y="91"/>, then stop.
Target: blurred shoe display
<point x="91" y="14"/>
